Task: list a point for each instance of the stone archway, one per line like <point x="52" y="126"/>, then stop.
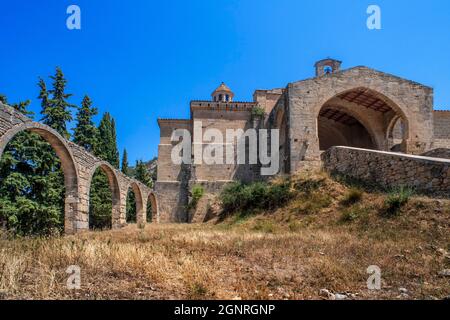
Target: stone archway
<point x="140" y="209"/>
<point x="118" y="213"/>
<point x="358" y="117"/>
<point x="66" y="158"/>
<point x="154" y="205"/>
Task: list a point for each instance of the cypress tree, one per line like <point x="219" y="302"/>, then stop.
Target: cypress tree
<point x="114" y="149"/>
<point x="85" y="132"/>
<point x="125" y="162"/>
<point x="101" y="198"/>
<point x="56" y="110"/>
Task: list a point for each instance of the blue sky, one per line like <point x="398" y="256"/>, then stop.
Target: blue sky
<point x="143" y="59"/>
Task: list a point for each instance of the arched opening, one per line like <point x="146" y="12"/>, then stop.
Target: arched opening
<point x="38" y="181"/>
<point x="134" y="207"/>
<point x="360" y="118"/>
<point x="337" y="128"/>
<point x="152" y="209"/>
<point x="104" y="198"/>
<point x="396" y="133"/>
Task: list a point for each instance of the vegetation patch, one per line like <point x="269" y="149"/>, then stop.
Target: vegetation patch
<point x="352" y="196"/>
<point x="395" y="200"/>
<point x="248" y="198"/>
<point x="197" y="193"/>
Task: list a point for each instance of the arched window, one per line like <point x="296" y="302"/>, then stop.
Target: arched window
<point x="227" y="97"/>
<point x="327" y="70"/>
<point x="220" y="97"/>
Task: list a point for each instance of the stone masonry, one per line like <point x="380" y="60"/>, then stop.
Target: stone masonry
<point x="358" y="108"/>
<point x="388" y="169"/>
<point x="79" y="166"/>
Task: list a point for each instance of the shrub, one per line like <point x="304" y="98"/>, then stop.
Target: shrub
<point x="245" y="198"/>
<point x="350" y="214"/>
<point x="258" y="112"/>
<point x="351" y="197"/>
<point x="395" y="200"/>
<point x="197" y="194"/>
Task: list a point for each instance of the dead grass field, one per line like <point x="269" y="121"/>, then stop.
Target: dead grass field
<point x="292" y="253"/>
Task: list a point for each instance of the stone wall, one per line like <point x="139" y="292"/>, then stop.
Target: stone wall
<point x="441" y="129"/>
<point x="438" y="153"/>
<point x="78" y="166"/>
<point x="388" y="169"/>
<point x="413" y="101"/>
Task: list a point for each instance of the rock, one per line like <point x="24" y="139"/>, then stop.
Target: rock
<point x="403" y="290"/>
<point x="445" y="273"/>
<point x="327" y="294"/>
<point x="339" y="296"/>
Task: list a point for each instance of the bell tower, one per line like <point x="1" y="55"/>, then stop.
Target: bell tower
<point x="222" y="94"/>
<point x="327" y="66"/>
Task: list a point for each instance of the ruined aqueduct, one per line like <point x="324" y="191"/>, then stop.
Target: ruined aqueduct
<point x="79" y="166"/>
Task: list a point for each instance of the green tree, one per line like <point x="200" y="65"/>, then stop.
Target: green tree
<point x="107" y="146"/>
<point x="101" y="198"/>
<point x="142" y="173"/>
<point x="125" y="168"/>
<point x="32" y="188"/>
<point x="20" y="106"/>
<point x="56" y="111"/>
<point x="85" y="132"/>
<point x="114" y="149"/>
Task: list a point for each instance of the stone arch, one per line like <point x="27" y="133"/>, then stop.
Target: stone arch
<point x="114" y="185"/>
<point x="372" y="109"/>
<point x="140" y="209"/>
<point x="66" y="158"/>
<point x="155" y="209"/>
<point x="396" y="134"/>
<point x="341" y="116"/>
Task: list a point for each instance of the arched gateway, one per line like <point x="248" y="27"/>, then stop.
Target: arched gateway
<point x="78" y="167"/>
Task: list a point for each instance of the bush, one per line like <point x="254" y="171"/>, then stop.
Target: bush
<point x="197" y="194"/>
<point x="238" y="197"/>
<point x="351" y="197"/>
<point x="353" y="213"/>
<point x="258" y="112"/>
<point x="395" y="200"/>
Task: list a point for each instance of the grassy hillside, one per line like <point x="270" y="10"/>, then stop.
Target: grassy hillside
<point x="323" y="235"/>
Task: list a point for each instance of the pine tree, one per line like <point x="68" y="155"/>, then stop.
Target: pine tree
<point x="20" y="106"/>
<point x="56" y="111"/>
<point x="32" y="188"/>
<point x="85" y="132"/>
<point x="125" y="168"/>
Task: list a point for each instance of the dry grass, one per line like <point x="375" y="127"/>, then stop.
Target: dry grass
<point x="286" y="254"/>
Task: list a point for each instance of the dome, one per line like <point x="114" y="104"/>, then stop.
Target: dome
<point x="223" y="93"/>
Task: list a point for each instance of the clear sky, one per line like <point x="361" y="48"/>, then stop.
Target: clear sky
<point x="144" y="59"/>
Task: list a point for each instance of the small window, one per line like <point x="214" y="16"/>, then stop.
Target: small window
<point x="227" y="97"/>
<point x="220" y="97"/>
